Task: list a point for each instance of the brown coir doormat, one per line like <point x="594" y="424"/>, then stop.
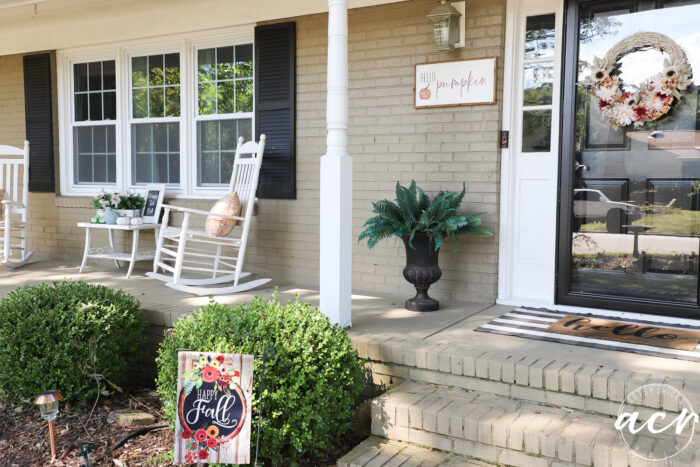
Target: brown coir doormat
<point x="646" y="336"/>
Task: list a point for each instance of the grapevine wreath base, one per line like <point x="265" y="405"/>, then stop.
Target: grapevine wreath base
<point x="654" y="97"/>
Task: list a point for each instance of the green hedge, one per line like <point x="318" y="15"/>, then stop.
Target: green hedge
<point x="312" y="381"/>
<point x="61" y="336"/>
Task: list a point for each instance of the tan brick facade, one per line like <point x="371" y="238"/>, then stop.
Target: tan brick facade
<point x="389" y="140"/>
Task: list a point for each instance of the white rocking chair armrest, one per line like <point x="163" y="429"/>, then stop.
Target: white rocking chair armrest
<point x="12" y="203"/>
<point x="200" y="212"/>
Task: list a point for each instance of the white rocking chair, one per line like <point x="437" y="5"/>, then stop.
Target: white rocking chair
<point x="13" y="225"/>
<point x="175" y="252"/>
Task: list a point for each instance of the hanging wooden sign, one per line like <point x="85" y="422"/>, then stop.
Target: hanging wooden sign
<point x="455" y="82"/>
<point x="213" y="408"/>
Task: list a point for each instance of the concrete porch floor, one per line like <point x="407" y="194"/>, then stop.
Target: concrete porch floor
<point x="372" y="315"/>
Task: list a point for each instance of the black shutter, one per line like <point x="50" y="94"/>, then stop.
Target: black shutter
<point x="39" y="121"/>
<point x="275" y="109"/>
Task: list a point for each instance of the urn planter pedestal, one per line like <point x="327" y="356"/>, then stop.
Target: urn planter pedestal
<point x="422" y="271"/>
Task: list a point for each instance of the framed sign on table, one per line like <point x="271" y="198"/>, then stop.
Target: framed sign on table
<point x="214" y="403"/>
<point x="154" y="202"/>
<point x="455" y="82"/>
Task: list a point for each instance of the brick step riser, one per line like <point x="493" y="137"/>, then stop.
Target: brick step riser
<point x="499" y="430"/>
<point x="589" y="387"/>
<point x="510" y="457"/>
<point x="601" y="397"/>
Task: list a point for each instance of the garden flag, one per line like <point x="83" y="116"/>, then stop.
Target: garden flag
<point x="213" y="408"/>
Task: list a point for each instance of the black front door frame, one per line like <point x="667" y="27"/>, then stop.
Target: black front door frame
<point x="563" y="294"/>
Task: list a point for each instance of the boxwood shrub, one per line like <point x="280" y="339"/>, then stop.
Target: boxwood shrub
<point x="312" y="380"/>
<point x="65" y="335"/>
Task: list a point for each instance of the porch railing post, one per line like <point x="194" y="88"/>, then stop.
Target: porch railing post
<point x="336" y="177"/>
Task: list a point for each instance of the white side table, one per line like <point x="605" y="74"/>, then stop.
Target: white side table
<point x="111" y="253"/>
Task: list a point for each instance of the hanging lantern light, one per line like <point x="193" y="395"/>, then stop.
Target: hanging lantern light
<point x="48" y="408"/>
<point x="445" y="19"/>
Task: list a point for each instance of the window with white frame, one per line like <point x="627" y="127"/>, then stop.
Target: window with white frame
<point x="94" y="122"/>
<point x="155" y="119"/>
<point x="182" y="107"/>
<point x="224" y="109"/>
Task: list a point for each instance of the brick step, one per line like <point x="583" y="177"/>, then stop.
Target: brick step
<point x="379" y="452"/>
<point x="540" y="378"/>
<point x="500" y="430"/>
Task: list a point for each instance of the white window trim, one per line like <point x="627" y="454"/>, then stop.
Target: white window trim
<point x="209" y="191"/>
<point x="155" y="49"/>
<point x="187" y="46"/>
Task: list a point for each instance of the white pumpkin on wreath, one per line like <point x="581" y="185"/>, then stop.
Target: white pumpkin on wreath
<point x="653" y="98"/>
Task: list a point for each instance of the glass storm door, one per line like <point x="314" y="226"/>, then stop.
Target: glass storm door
<point x="629" y="224"/>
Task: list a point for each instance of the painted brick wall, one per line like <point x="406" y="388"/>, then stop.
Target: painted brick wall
<point x="388" y="139"/>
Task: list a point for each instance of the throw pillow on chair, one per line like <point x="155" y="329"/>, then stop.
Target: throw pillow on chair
<point x="229" y="205"/>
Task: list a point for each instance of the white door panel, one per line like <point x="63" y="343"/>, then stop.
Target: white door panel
<point x="530" y="164"/>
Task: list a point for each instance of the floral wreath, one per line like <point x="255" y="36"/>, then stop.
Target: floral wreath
<point x="221" y="373"/>
<point x="654" y="97"/>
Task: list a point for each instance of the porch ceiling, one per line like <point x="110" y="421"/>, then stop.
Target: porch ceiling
<point x="59" y="24"/>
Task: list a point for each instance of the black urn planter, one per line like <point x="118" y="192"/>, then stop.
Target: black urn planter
<point x="421" y="270"/>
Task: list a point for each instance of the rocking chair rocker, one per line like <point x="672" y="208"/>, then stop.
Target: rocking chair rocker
<point x="14" y="196"/>
<point x="175" y="252"/>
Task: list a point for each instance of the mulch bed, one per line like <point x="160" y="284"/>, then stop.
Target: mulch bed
<point x="24" y="439"/>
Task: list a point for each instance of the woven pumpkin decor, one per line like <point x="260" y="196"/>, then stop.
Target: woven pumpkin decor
<point x="229" y="205"/>
<point x="654" y="97"/>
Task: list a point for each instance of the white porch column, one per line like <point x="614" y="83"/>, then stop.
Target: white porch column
<point x="336" y="177"/>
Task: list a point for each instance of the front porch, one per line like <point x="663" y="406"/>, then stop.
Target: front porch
<point x="443" y="392"/>
<point x="379" y="320"/>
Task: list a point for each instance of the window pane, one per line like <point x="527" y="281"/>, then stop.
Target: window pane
<point x="110" y="105"/>
<point x="95" y="106"/>
<point x="160" y="138"/>
<point x="156" y="103"/>
<point x="229" y="134"/>
<point x="224" y="63"/>
<point x="244" y="95"/>
<point x="216" y="149"/>
<point x="245" y="128"/>
<point x="208" y="135"/>
<point x="225" y="97"/>
<point x="81" y="107"/>
<point x="80" y="77"/>
<point x="156" y="76"/>
<point x="244" y="61"/>
<point x="99" y="141"/>
<point x="156" y="153"/>
<point x="172" y="102"/>
<point x="140" y="103"/>
<point x="95" y="76"/>
<point x="207" y="98"/>
<point x="139" y="72"/>
<point x="94" y="154"/>
<point x="209" y="168"/>
<point x="206" y="68"/>
<point x="537" y="129"/>
<point x="539" y="80"/>
<point x="109" y="80"/>
<point x="172" y="69"/>
<point x="539" y="36"/>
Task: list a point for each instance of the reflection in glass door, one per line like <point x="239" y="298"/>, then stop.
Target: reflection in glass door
<point x="631" y="196"/>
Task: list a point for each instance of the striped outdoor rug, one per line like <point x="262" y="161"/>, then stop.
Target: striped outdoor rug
<point x="532" y="323"/>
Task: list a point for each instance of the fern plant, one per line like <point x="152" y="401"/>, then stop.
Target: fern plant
<point x="415" y="212"/>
